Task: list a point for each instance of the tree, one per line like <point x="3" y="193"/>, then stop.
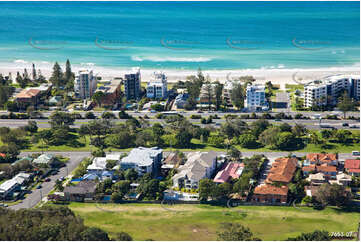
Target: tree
<point x="32" y="127"/>
<point x="299" y="130"/>
<point x="218" y="94"/>
<point x="183" y="139"/>
<point x="216" y="141"/>
<point x="237" y="95"/>
<point x="270" y="136"/>
<point x="235" y="232"/>
<point x="131" y="174"/>
<point x="286" y="141"/>
<point x="316" y="235"/>
<point x="122" y="187"/>
<point x="98" y="97"/>
<point x="69" y="76"/>
<point x="59" y="185"/>
<point x="93" y="234"/>
<point x="222" y="191"/>
<point x="122" y="236"/>
<point x="257" y="127"/>
<point x="61" y="119"/>
<point x="248" y="141"/>
<point x="343" y="136"/>
<point x="332" y="195"/>
<point x="234" y="153"/>
<point x="285" y="127"/>
<point x="206" y="189"/>
<point x="345" y="104"/>
<point x="57" y="77"/>
<point x="20" y="80"/>
<point x="208" y="95"/>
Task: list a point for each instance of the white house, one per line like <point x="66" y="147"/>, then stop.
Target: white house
<point x="199" y="165"/>
<point x="144" y="160"/>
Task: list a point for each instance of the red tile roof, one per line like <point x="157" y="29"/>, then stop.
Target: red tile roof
<point x="309" y="168"/>
<point x="352" y="164"/>
<point x="2" y="155"/>
<point x="282" y="170"/>
<point x="232" y="170"/>
<point x="354" y="170"/>
<point x="325" y="158"/>
<point x="28" y="93"/>
<point x="271" y="190"/>
<point x="322" y="168"/>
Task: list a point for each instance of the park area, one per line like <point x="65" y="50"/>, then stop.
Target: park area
<point x="202" y="222"/>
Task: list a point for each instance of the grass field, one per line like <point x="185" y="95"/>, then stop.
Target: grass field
<point x="201" y="222"/>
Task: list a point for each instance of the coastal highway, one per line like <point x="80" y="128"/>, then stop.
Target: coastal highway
<point x="309" y="123"/>
<point x="207" y="113"/>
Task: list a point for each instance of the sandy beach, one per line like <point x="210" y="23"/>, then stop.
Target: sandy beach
<point x="279" y="76"/>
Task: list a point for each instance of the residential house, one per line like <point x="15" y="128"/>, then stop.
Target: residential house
<point x="231" y="171"/>
<point x="84" y="190"/>
<point x="45" y="159"/>
<point x="311" y="191"/>
<point x="22" y="178"/>
<point x="342" y="179"/>
<point x="54" y="100"/>
<point x="8" y="188"/>
<point x="22" y="159"/>
<point x="266" y="193"/>
<point x="282" y="170"/>
<point x="181" y="100"/>
<point x="98" y="166"/>
<point x="28" y="97"/>
<point x="144" y="160"/>
<point x="316" y="179"/>
<point x="329" y="172"/>
<point x="199" y="165"/>
<point x="320" y="158"/>
<point x="352" y="167"/>
<point x="172" y="161"/>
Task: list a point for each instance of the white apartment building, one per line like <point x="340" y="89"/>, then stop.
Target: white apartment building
<point x="157" y="87"/>
<point x="327" y="91"/>
<point x="255" y="98"/>
<point x="85" y="84"/>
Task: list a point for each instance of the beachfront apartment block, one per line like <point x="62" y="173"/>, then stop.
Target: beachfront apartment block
<point x="327" y="90"/>
<point x="144" y="160"/>
<point x="256" y="98"/>
<point x="132" y="86"/>
<point x="157" y="86"/>
<point x="85" y="84"/>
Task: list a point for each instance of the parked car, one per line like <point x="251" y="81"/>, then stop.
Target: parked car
<point x="47" y="179"/>
<point x="277" y="119"/>
<point x="356" y="153"/>
<point x="345" y="124"/>
<point x="39" y="187"/>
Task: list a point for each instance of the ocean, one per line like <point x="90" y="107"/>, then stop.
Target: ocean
<point x="181" y="35"/>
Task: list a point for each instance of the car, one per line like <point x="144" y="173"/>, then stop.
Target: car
<point x="356" y="153"/>
<point x="153" y="111"/>
<point x="39" y="187"/>
<point x="354" y="126"/>
<point x="47" y="179"/>
<point x="345" y="124"/>
<point x="277" y="119"/>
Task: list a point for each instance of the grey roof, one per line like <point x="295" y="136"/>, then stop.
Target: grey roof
<point x="142" y="156"/>
<point x="83" y="187"/>
<point x="44" y="159"/>
<point x="196" y="166"/>
<point x="7" y="185"/>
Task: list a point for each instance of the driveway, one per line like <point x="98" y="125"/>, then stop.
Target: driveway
<point x="34" y="198"/>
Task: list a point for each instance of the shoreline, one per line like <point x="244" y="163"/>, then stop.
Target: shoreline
<point x="280" y="76"/>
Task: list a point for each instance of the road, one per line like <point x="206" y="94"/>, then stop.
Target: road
<point x="206" y="114"/>
<point x="309" y="123"/>
<point x="34" y="198"/>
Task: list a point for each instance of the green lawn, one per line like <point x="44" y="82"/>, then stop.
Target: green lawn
<point x="201" y="222"/>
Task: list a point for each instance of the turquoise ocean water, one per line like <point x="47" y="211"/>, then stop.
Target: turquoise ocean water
<point x="182" y="35"/>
